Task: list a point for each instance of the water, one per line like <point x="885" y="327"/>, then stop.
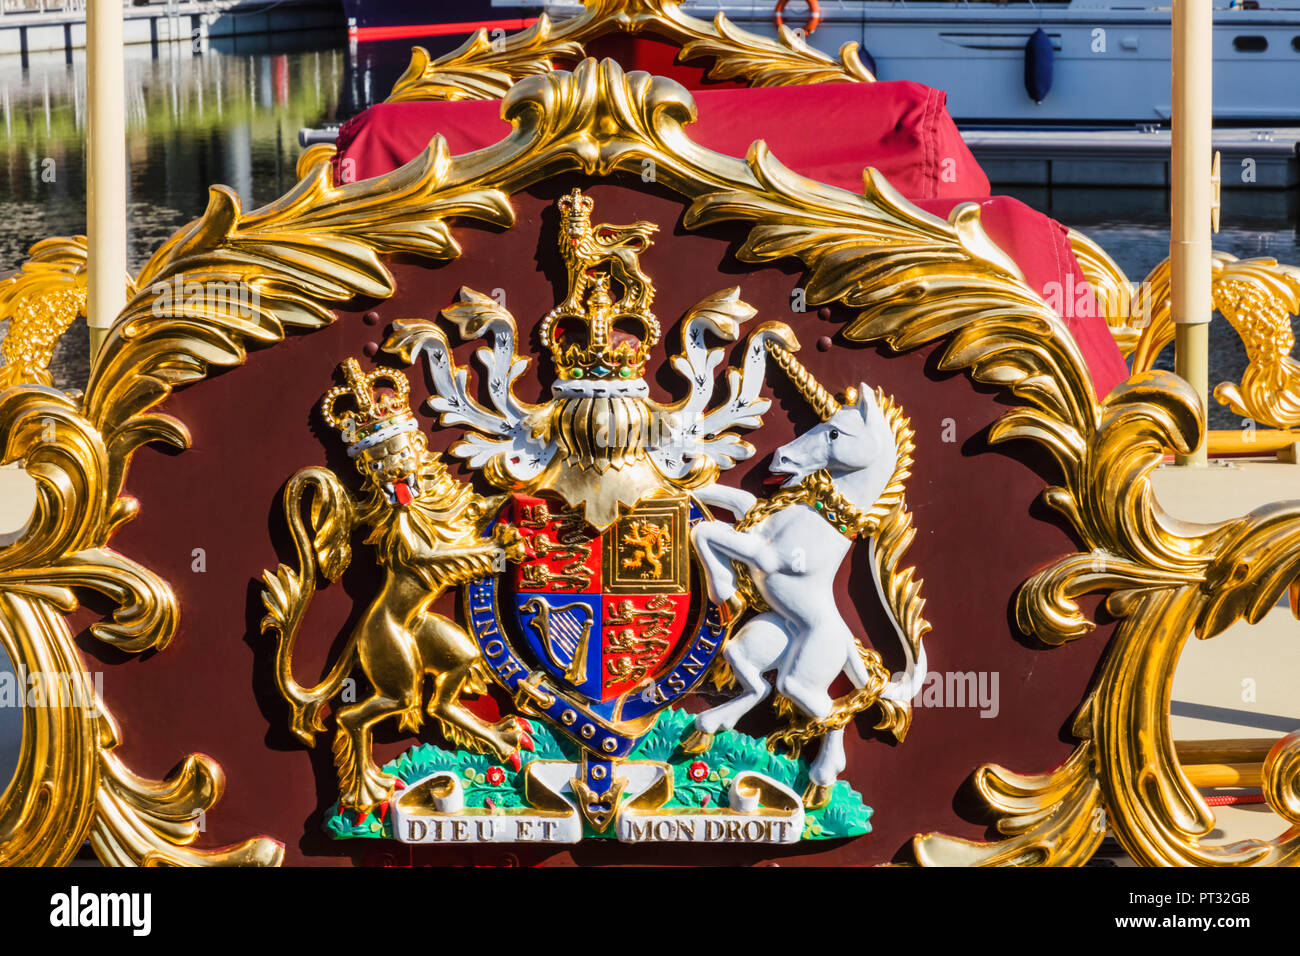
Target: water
<point x="232" y="113"/>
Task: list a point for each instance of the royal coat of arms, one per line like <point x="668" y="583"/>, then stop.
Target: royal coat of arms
<point x="602" y="587"/>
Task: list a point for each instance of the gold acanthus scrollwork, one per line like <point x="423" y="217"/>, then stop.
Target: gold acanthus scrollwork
<point x="915" y="279"/>
<point x="228" y="281"/>
<point x="911" y="278"/>
<point x="1111" y="289"/>
<point x="484" y="68"/>
<point x="313" y="156"/>
<point x="41" y="301"/>
<point x="1258" y="297"/>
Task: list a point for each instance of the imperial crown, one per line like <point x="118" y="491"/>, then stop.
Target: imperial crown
<point x="575" y="207"/>
<point x="377" y="416"/>
<point x="609" y="351"/>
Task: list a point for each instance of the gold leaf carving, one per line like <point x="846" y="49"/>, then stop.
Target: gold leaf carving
<point x="1052" y="819"/>
<point x="484" y="69"/>
<point x="229" y="281"/>
<point x="1258" y="297"/>
<point x="1111" y="288"/>
<point x="481" y="68"/>
<point x="910" y="278"/>
<point x="41" y="301"/>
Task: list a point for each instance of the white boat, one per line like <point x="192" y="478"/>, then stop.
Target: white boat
<point x="1109" y="60"/>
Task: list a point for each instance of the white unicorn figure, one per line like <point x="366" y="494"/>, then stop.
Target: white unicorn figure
<point x="840" y="480"/>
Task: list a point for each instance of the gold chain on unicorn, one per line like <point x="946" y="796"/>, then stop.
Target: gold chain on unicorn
<point x="817" y="491"/>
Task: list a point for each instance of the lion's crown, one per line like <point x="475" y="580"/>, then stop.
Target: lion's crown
<point x="376" y="415"/>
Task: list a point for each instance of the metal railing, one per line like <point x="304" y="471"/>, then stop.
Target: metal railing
<point x="23" y="7"/>
<point x="42" y="6"/>
<point x="29" y="7"/>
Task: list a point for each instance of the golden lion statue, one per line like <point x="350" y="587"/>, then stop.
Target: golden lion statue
<point x="427" y="530"/>
<point x="584" y="246"/>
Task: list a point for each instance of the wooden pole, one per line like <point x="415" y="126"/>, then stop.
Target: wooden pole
<point x="1213" y="776"/>
<point x="1189" y="245"/>
<point x="1230" y="751"/>
<point x="105" y="168"/>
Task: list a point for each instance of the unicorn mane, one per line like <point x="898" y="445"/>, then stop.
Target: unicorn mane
<point x="902" y="597"/>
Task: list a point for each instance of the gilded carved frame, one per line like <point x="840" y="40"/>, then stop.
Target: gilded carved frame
<point x="1258" y="297"/>
<point x="911" y="279"/>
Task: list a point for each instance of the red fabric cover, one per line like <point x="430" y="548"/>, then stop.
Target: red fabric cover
<point x="656" y="56"/>
<point x="829" y="133"/>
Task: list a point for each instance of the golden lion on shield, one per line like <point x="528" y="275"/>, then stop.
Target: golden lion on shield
<point x="427" y="529"/>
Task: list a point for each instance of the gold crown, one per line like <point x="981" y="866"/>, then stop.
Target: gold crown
<point x="608" y="352"/>
<point x="575" y="205"/>
<point x="377" y="416"/>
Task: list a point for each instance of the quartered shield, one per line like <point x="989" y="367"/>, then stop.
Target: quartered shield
<point x="604" y="628"/>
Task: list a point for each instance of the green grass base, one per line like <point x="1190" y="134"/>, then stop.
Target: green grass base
<point x="698" y="780"/>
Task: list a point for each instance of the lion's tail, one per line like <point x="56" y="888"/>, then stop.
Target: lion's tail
<point x="288" y="592"/>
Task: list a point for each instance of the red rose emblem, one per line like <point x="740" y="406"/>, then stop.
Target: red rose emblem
<point x="698" y="771"/>
<point x="496" y="776"/>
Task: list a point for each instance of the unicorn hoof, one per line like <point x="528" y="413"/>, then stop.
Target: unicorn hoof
<point x="816" y="796"/>
<point x="732" y="609"/>
<point x="697" y="743"/>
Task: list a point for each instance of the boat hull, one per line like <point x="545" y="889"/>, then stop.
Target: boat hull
<point x="1110" y="65"/>
<point x="374" y="20"/>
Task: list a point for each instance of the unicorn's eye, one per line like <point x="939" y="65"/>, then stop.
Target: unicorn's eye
<point x="835" y="433"/>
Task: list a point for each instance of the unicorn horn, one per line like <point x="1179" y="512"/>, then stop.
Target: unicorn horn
<point x="822" y="401"/>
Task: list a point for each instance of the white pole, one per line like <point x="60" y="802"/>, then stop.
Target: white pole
<point x="105" y="168"/>
<point x="1189" y="246"/>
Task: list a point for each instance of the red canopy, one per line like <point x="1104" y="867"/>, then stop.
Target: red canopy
<point x="828" y="132"/>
